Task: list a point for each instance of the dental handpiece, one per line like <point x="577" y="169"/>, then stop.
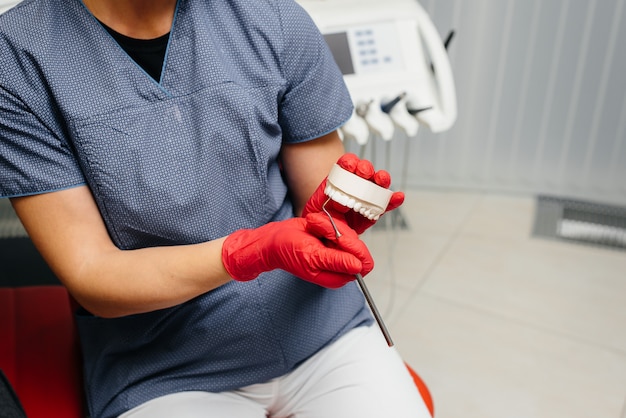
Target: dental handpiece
<point x="368" y="199"/>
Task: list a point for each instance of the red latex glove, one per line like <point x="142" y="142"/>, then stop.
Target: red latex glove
<point x="362" y="168"/>
<point x="305" y="247"/>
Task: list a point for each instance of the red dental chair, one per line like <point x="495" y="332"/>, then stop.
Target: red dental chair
<point x="423" y="390"/>
<point x="40" y="354"/>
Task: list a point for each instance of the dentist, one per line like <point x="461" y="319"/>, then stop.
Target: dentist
<point x="161" y="154"/>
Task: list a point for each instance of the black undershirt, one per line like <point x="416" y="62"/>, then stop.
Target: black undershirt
<point x="149" y="54"/>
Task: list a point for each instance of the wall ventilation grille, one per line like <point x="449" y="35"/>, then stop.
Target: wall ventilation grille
<point x="580" y="221"/>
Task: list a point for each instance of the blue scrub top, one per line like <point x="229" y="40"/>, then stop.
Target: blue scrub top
<point x="187" y="159"/>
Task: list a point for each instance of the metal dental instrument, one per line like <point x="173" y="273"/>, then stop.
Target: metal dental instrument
<point x="352" y="182"/>
<point x="361" y="282"/>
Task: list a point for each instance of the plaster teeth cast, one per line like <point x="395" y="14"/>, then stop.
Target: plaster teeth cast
<point x="357" y="193"/>
<point x="371" y="213"/>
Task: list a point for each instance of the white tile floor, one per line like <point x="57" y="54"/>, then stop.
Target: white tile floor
<point x="498" y="323"/>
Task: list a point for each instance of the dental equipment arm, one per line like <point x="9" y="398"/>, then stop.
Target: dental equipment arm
<point x="301" y="246"/>
<point x="356" y="129"/>
<point x="378" y="121"/>
<point x="397" y="110"/>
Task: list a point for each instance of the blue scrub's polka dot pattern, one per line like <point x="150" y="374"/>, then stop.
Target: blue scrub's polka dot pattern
<point x="188" y="159"/>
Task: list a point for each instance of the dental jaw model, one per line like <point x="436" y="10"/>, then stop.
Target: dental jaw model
<point x="357" y="193"/>
<point x="366" y="198"/>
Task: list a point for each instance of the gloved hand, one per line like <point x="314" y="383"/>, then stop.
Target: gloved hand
<point x="356" y="221"/>
<point x="305" y="247"/>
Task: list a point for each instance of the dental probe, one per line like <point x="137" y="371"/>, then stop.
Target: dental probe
<point x="372" y="203"/>
<point x="361" y="282"/>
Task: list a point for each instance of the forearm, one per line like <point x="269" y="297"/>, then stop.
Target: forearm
<point x="68" y="230"/>
<point x="117" y="283"/>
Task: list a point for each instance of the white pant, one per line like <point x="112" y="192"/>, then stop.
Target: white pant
<point x="358" y="376"/>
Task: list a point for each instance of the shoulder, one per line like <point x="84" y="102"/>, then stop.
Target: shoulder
<point x="28" y="20"/>
<point x="34" y="36"/>
<point x="264" y="12"/>
<point x="34" y="27"/>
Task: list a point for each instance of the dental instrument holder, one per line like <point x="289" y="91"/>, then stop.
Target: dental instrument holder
<point x="368" y="199"/>
<point x="385" y="49"/>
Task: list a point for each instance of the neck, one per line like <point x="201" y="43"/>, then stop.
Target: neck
<point x="141" y="19"/>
